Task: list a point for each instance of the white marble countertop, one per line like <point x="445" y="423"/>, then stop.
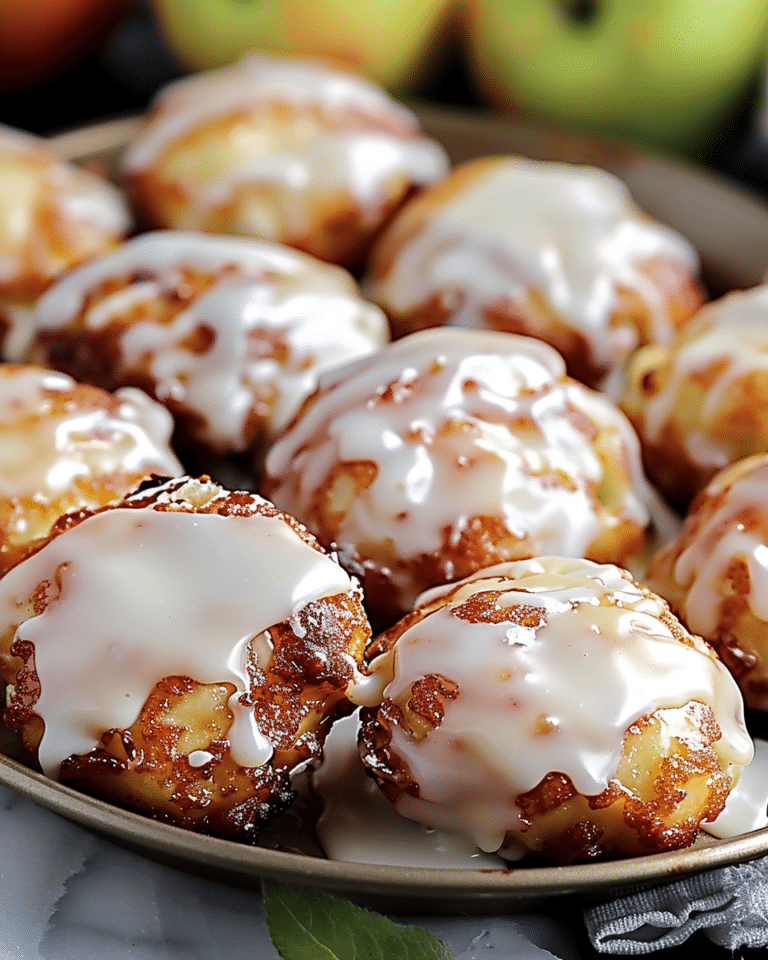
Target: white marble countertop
<point x="67" y="894"/>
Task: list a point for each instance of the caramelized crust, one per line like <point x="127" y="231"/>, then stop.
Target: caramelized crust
<point x="283" y="150"/>
<point x="547" y="250"/>
<point x="504" y="694"/>
<point x="714" y="572"/>
<point x="215" y="756"/>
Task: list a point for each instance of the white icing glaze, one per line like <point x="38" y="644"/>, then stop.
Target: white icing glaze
<point x="746" y="808"/>
<point x="731" y="333"/>
<point x="596" y="660"/>
<point x="570" y="233"/>
<point x="48" y="440"/>
<point x="362" y="164"/>
<point x="332" y="162"/>
<point x="508" y="423"/>
<point x="75" y="196"/>
<point x="703" y="565"/>
<point x="360" y="825"/>
<point x="89" y="199"/>
<point x="150" y="594"/>
<point x="263" y="293"/>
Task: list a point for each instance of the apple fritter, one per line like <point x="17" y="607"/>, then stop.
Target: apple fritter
<point x="700" y="402"/>
<point x="182" y="653"/>
<point x="65" y="446"/>
<point x="553" y="707"/>
<point x="715" y="572"/>
<point x="450" y="450"/>
<point x="228" y="333"/>
<point x="54" y="215"/>
<point x="282" y="149"/>
<point x="550" y="250"/>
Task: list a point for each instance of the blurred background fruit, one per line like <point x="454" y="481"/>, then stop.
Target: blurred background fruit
<point x="688" y="76"/>
<point x="663" y="73"/>
<point x="398" y="43"/>
<point x="41" y="38"/>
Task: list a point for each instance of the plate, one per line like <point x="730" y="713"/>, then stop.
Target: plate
<point x="729" y="227"/>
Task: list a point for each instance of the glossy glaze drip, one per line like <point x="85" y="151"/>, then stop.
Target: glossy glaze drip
<point x="261" y="292"/>
<point x="150" y="594"/>
<point x="702" y="567"/>
<point x="53" y="437"/>
<point x="553" y="691"/>
<point x="360" y="825"/>
<point x="74" y="195"/>
<point x="572" y="234"/>
<point x="331" y="163"/>
<point x="472" y="385"/>
<point x="361" y="162"/>
<point x="728" y="335"/>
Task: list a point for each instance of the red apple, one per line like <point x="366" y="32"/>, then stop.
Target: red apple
<point x="40" y="38"/>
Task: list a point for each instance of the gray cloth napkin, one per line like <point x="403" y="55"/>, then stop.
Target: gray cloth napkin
<point x="730" y="905"/>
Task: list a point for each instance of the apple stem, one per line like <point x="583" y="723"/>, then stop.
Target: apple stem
<point x="581" y="11"/>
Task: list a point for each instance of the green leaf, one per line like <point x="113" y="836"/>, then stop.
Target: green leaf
<point x="308" y="925"/>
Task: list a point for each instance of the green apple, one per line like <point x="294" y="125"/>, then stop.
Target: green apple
<point x="395" y="42"/>
<point x="664" y="73"/>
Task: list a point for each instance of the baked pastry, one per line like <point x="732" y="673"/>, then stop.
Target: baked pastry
<point x="450" y="450"/>
<point x="180" y="653"/>
<point x="552" y="250"/>
<point x="701" y="402"/>
<point x="554" y="707"/>
<point x="715" y="572"/>
<point x="281" y="149"/>
<point x="65" y="446"/>
<point x="54" y="215"/>
<point x="228" y="333"/>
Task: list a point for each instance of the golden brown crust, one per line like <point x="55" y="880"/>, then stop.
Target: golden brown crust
<point x="711" y="572"/>
<point x="174" y="762"/>
<point x="528" y="311"/>
<point x="72" y="430"/>
<point x="335" y="226"/>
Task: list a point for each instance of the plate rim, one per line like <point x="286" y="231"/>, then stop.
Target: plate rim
<point x="434" y="889"/>
<point x="247" y="864"/>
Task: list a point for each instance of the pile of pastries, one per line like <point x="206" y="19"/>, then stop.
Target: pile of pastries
<point x="299" y="419"/>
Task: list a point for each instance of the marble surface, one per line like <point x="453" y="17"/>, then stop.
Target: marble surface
<point x="66" y="894"/>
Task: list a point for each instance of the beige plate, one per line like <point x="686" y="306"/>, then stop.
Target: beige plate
<point x="730" y="229"/>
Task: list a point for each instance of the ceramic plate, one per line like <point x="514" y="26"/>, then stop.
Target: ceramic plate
<point x="730" y="229"/>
